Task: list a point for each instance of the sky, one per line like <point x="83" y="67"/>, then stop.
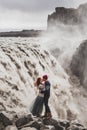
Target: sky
<point x="30" y="14"/>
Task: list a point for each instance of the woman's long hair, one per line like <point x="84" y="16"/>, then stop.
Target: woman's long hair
<point x="38" y="82"/>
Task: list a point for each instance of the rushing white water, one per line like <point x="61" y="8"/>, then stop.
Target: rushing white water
<point x="22" y="60"/>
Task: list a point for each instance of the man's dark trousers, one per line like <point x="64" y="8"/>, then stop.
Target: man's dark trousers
<point x="47" y="109"/>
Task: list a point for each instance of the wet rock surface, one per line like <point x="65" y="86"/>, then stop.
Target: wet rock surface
<point x="4" y="121"/>
<point x="24" y="120"/>
<point x="33" y="123"/>
<point x="79" y="63"/>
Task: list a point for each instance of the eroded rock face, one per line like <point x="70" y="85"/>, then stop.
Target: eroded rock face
<point x="79" y="63"/>
<point x="66" y="16"/>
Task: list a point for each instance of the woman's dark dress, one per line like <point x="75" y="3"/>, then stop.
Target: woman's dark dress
<point x="37" y="106"/>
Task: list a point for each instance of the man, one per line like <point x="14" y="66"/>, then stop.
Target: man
<point x="46" y="96"/>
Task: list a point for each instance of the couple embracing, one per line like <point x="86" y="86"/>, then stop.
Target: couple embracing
<point x="43" y="85"/>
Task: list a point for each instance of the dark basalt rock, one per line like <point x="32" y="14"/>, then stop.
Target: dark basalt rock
<point x="79" y="63"/>
<point x="75" y="127"/>
<point x="35" y="124"/>
<point x="4" y="120"/>
<point x="65" y="124"/>
<point x="53" y="123"/>
<point x="38" y="123"/>
<point x="23" y="120"/>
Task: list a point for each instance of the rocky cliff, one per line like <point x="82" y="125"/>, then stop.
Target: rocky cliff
<point x="68" y="16"/>
<point x="79" y="63"/>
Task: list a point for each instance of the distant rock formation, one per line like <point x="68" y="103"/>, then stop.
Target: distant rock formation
<point x="23" y="33"/>
<point x="68" y="16"/>
<point x="79" y="63"/>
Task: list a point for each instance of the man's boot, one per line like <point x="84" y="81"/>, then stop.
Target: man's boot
<point x="49" y="116"/>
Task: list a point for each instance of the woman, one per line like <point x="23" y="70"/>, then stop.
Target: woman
<point x="37" y="107"/>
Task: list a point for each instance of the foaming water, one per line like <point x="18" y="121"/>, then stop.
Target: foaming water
<point x="22" y="60"/>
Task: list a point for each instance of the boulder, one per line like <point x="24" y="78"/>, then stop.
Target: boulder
<point x="65" y="124"/>
<point x="53" y="123"/>
<point x="23" y="120"/>
<point x="5" y="120"/>
<point x="11" y="127"/>
<point x="35" y="124"/>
